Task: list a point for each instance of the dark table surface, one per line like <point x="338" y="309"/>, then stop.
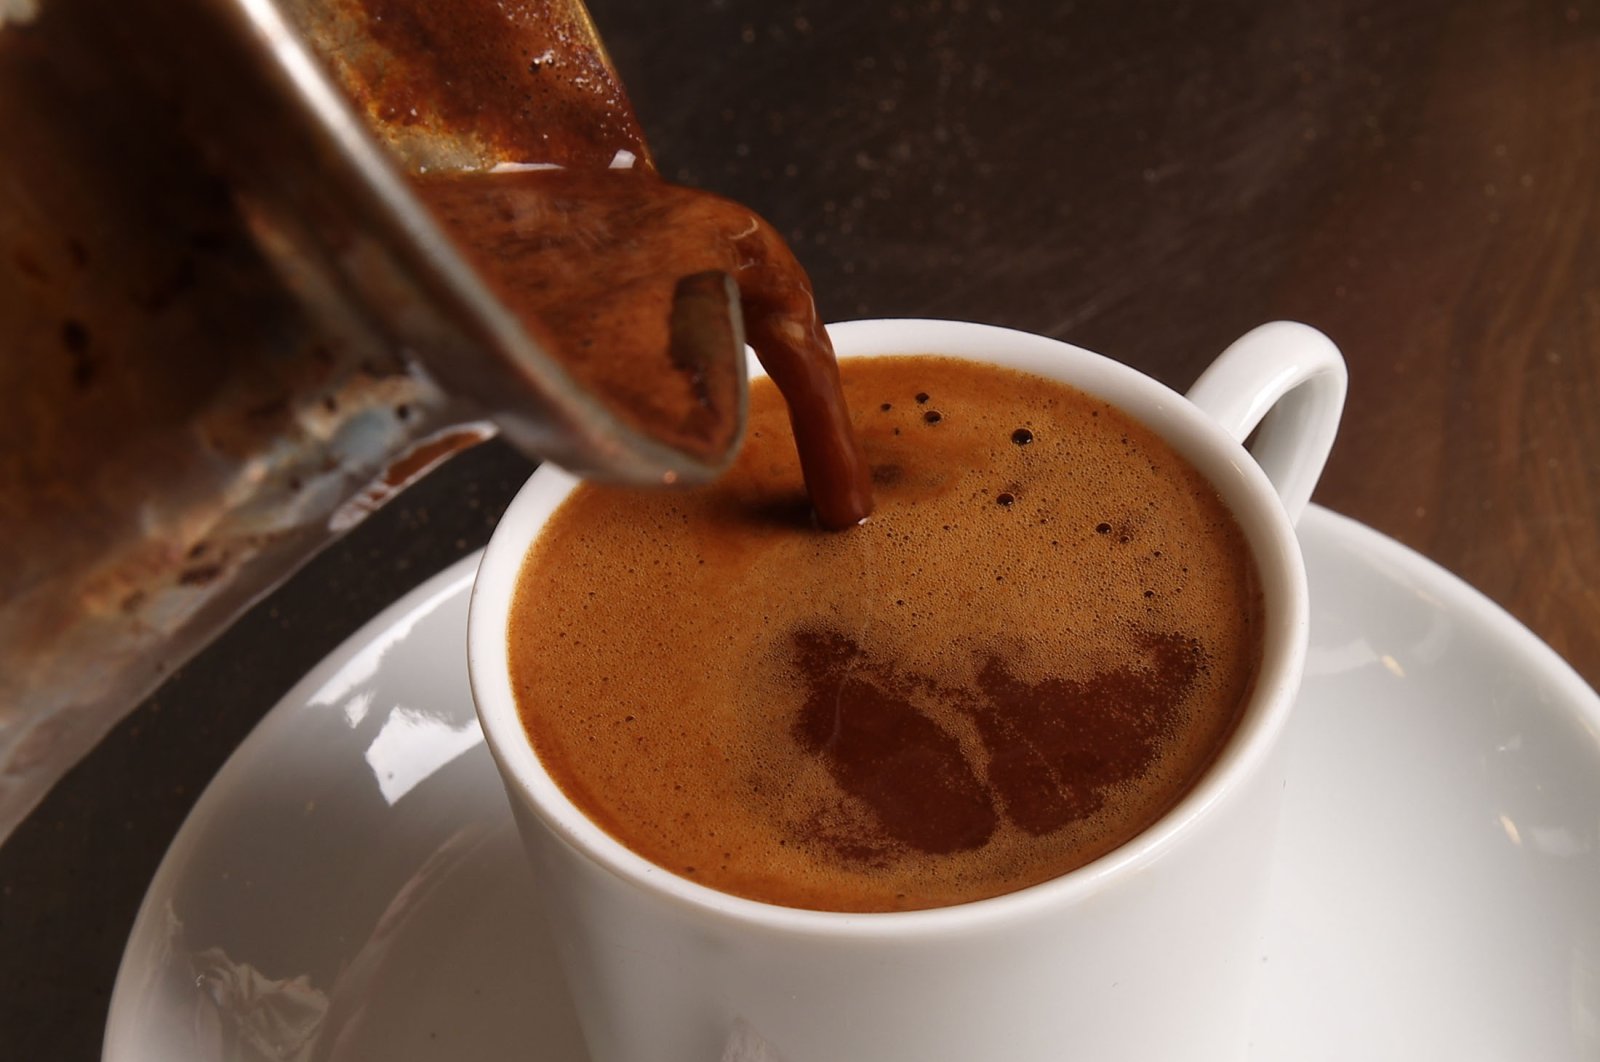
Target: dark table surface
<point x="1419" y="179"/>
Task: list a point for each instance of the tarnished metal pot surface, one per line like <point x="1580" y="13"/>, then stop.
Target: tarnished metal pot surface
<point x="211" y="279"/>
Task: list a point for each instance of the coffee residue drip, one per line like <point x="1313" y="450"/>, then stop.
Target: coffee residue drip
<point x="588" y="262"/>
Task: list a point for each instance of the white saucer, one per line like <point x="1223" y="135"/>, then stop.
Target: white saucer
<point x="351" y="887"/>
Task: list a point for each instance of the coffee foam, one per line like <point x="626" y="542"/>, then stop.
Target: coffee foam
<point x="656" y="640"/>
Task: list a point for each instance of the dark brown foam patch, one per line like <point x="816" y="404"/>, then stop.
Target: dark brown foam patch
<point x="1058" y="747"/>
<point x="882" y="751"/>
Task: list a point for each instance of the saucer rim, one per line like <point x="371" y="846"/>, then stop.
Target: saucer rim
<point x="1449" y="593"/>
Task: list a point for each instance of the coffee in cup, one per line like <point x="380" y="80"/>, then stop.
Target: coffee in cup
<point x="1030" y="652"/>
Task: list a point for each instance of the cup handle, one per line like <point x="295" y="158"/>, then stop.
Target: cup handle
<point x="1286" y="382"/>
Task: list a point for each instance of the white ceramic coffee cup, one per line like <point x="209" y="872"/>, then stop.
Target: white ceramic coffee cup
<point x="1148" y="953"/>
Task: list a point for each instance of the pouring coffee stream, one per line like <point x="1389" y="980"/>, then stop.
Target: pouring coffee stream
<point x="609" y="267"/>
<point x="588" y="262"/>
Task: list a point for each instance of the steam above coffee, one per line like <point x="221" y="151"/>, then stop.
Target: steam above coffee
<point x="1031" y="651"/>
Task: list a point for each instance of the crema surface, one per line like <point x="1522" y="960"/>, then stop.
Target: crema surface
<point x="1029" y="652"/>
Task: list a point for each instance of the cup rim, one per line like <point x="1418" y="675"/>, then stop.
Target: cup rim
<point x="1204" y="443"/>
